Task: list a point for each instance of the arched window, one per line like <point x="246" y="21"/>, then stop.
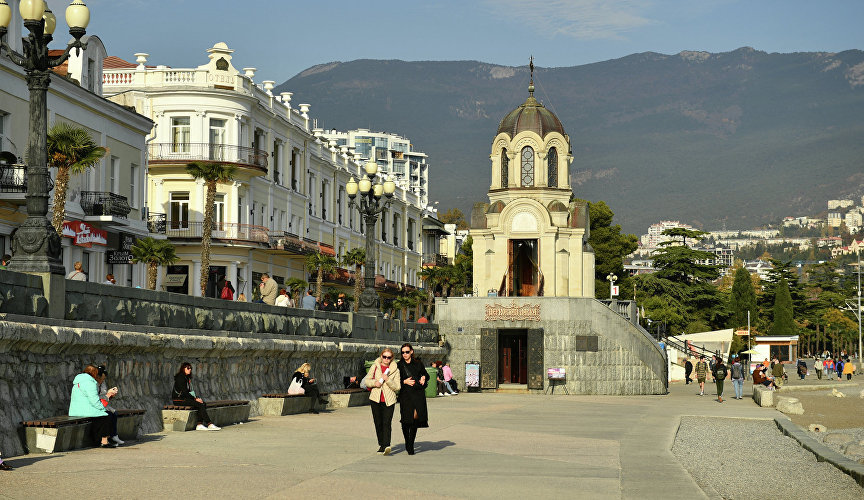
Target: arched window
<point x="505" y="168"/>
<point x="527" y="166"/>
<point x="552" y="166"/>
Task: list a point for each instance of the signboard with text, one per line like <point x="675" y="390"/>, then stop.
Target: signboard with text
<point x="83" y="234"/>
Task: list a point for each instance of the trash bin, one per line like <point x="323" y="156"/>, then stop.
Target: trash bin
<point x="367" y="365"/>
<point x="432" y="384"/>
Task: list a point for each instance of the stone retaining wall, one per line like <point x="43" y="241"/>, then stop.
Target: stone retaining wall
<point x="38" y="363"/>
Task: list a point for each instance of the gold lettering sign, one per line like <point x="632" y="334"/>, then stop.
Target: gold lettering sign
<point x="512" y="312"/>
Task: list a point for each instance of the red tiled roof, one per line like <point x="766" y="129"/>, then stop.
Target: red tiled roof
<point x="114" y="62"/>
<point x="63" y="69"/>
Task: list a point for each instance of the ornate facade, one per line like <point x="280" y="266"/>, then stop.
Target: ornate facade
<point x="531" y="239"/>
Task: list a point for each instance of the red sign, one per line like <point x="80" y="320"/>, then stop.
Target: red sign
<point x="83" y="234"/>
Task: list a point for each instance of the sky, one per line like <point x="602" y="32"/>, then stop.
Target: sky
<point x="282" y="38"/>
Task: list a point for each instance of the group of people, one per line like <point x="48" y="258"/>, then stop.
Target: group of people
<point x="834" y="366"/>
<point x="270" y="293"/>
<point x="404" y="381"/>
<point x="91" y="397"/>
<point x="736" y="371"/>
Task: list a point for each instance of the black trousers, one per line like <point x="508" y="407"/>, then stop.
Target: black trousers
<point x="100" y="427"/>
<point x="313" y="392"/>
<point x="382" y="416"/>
<point x="201" y="408"/>
<point x="113" y="416"/>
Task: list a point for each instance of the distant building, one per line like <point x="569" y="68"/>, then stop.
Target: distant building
<point x="835" y="219"/>
<point x="655" y="234"/>
<point x="833" y="204"/>
<point x="758" y="267"/>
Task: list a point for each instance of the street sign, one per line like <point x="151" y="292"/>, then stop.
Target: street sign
<point x="615" y="290"/>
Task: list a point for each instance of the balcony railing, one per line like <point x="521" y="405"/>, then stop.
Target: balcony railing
<point x="183" y="152"/>
<point x="434" y="259"/>
<point x="13" y="178"/>
<point x="99" y="203"/>
<point x="156" y="223"/>
<point x="221" y="231"/>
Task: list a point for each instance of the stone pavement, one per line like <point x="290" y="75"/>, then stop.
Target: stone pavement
<point x="478" y="446"/>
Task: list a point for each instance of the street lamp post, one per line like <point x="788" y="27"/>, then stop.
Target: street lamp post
<point x="36" y="245"/>
<point x="370" y="205"/>
<point x="612" y="279"/>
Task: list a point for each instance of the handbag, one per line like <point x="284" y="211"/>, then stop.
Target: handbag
<point x="296" y="387"/>
<point x="227" y="294"/>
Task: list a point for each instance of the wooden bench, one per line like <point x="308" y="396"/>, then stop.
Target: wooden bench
<point x="343" y="398"/>
<point x="279" y="404"/>
<point x="63" y="433"/>
<point x="185" y="418"/>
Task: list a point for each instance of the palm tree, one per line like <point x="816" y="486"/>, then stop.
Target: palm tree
<point x="297" y="287"/>
<point x="319" y="263"/>
<point x="431" y="276"/>
<point x="153" y="253"/>
<point x="356" y="257"/>
<point x="72" y="151"/>
<point x="403" y="304"/>
<point x="212" y="173"/>
<point x="417" y="298"/>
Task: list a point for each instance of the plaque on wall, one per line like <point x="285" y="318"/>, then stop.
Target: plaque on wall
<point x="512" y="312"/>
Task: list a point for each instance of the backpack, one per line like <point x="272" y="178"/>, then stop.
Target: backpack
<point x="720" y="372"/>
<point x="227" y="294"/>
<point x="737" y="370"/>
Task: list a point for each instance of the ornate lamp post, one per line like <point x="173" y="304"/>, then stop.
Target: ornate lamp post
<point x="370" y="206"/>
<point x="612" y="278"/>
<point x="36" y="245"/>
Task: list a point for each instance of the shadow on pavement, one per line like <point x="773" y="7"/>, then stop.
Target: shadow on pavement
<point x="25" y="460"/>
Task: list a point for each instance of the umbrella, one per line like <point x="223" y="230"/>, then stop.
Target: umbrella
<point x="749" y="351"/>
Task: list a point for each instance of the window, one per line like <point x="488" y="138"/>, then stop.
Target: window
<point x="91" y="75"/>
<point x="180" y="131"/>
<point x="552" y="166"/>
<point x="239" y="210"/>
<point x="113" y="180"/>
<point x="277" y="166"/>
<point x="133" y="186"/>
<point x="217" y="139"/>
<point x="324" y="200"/>
<point x="3" y="139"/>
<point x="219" y="212"/>
<point x="505" y="168"/>
<point x="396" y="230"/>
<point x="527" y="166"/>
<point x="294" y="154"/>
<point x="340" y="203"/>
<point x="179" y="208"/>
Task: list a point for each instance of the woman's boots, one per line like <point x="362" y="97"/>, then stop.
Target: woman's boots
<point x="409" y="433"/>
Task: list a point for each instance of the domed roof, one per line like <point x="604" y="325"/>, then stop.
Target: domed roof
<point x="531" y="116"/>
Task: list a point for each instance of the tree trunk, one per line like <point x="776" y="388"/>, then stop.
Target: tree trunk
<point x="358" y="286"/>
<point x="319" y="281"/>
<point x="61" y="184"/>
<point x="152" y="268"/>
<point x="206" y="234"/>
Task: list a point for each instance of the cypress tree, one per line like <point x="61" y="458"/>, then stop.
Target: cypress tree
<point x="743" y="299"/>
<point x="783" y="323"/>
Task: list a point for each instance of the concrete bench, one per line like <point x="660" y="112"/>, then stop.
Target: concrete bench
<point x="285" y="404"/>
<point x="344" y="398"/>
<point x="763" y="396"/>
<point x="64" y="433"/>
<point x="185" y="418"/>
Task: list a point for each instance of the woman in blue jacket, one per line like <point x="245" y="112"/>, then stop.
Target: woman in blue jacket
<point x="85" y="403"/>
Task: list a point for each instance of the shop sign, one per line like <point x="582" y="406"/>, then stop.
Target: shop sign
<point x="174" y="280"/>
<point x="122" y="255"/>
<point x="84" y="235"/>
<point x="512" y="312"/>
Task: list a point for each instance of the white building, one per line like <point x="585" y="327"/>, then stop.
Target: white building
<point x="395" y="156"/>
<point x="655" y="234"/>
<point x="106" y="202"/>
<point x="288" y="197"/>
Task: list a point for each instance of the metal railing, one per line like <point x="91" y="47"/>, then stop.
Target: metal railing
<point x="188" y="152"/>
<point x="99" y="203"/>
<point x="221" y="231"/>
<point x="434" y="259"/>
<point x="13" y="178"/>
<point x="156" y="223"/>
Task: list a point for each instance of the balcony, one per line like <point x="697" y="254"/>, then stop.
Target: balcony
<point x="102" y="204"/>
<point x="434" y="259"/>
<point x="13" y="183"/>
<point x="156" y="223"/>
<point x="228" y="231"/>
<point x="171" y="153"/>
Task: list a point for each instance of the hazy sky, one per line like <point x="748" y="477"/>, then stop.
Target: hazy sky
<point x="282" y="38"/>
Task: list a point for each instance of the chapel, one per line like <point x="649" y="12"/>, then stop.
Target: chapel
<point x="531" y="238"/>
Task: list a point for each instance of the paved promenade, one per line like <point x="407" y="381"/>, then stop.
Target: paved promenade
<point x="478" y="446"/>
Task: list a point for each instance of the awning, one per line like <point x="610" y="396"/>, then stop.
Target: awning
<point x="326" y="249"/>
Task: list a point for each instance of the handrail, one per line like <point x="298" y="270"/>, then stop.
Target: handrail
<point x="205" y="151"/>
<point x="682" y="346"/>
<point x="221" y="230"/>
<point x="99" y="203"/>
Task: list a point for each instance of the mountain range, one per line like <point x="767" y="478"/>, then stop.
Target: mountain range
<point x="735" y="139"/>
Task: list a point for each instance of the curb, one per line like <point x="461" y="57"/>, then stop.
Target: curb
<point x="822" y="452"/>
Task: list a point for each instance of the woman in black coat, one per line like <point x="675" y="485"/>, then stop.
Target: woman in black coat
<point x="184" y="395"/>
<point x="310" y="388"/>
<point x="412" y="396"/>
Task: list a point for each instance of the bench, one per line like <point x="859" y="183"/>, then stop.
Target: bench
<point x="279" y="404"/>
<point x="344" y="398"/>
<point x="63" y="433"/>
<point x="763" y="396"/>
<point x="185" y="418"/>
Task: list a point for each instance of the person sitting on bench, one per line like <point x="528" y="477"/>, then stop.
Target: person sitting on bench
<point x="184" y="395"/>
<point x="84" y="402"/>
<point x="302" y="384"/>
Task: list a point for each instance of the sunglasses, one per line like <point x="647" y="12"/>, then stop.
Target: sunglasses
<point x="406" y="352"/>
<point x="386" y="357"/>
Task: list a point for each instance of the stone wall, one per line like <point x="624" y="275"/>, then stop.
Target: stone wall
<point x="627" y="361"/>
<point x="38" y="363"/>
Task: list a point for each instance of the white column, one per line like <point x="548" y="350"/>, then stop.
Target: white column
<point x="233" y="274"/>
<point x="195" y="279"/>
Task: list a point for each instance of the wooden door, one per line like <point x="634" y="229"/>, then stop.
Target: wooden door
<point x="507" y="364"/>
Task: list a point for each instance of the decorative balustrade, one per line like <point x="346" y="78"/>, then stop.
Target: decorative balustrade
<point x="157" y="223"/>
<point x="13" y="178"/>
<point x="184" y="152"/>
<point x="434" y="259"/>
<point x="100" y="203"/>
<point x="221" y="231"/>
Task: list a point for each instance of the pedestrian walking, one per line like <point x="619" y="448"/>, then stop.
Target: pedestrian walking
<point x="817" y="365"/>
<point x="737" y="374"/>
<point x="688" y="369"/>
<point x="78" y="273"/>
<point x="269" y="289"/>
<point x="801" y="368"/>
<point x="848" y="369"/>
<point x="383" y="380"/>
<point x="719" y="373"/>
<point x="838" y="367"/>
<point x="778" y="373"/>
<point x="226" y="289"/>
<point x="701" y="374"/>
<point x="412" y="395"/>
